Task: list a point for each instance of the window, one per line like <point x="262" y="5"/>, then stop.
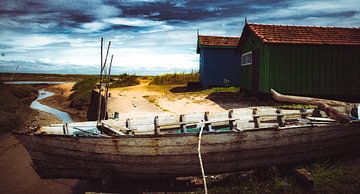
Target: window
<point x="246" y="59"/>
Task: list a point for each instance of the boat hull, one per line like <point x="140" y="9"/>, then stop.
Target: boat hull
<point x="175" y="155"/>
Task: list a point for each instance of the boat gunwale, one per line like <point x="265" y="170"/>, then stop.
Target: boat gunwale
<point x="166" y="135"/>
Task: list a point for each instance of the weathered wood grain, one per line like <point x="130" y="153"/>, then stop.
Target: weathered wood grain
<point x="168" y="155"/>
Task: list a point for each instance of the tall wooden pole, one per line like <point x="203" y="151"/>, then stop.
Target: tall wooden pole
<point x="103" y="65"/>
<point x="100" y="79"/>
<point x="107" y="53"/>
<point x="108" y="84"/>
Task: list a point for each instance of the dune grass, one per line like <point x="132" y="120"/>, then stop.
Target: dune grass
<point x="124" y="80"/>
<point x="175" y="78"/>
<point x="295" y="106"/>
<point x="81" y="96"/>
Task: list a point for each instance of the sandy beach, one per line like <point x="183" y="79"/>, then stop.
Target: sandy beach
<point x="145" y="100"/>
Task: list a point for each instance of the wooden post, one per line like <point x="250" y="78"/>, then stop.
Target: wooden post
<point x="116" y="115"/>
<point x="107" y="85"/>
<point x="102" y="67"/>
<point x="156" y="126"/>
<point x="304" y="177"/>
<point x="182" y="124"/>
<point x="256" y="118"/>
<point x="280" y="118"/>
<point x="232" y="123"/>
<point x="100" y="79"/>
<point x="128" y="124"/>
<point x="64" y="130"/>
<point x="303" y="113"/>
<point x="208" y="126"/>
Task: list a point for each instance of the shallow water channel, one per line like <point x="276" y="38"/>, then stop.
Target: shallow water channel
<point x="64" y="116"/>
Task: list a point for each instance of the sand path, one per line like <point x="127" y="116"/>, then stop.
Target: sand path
<point x="140" y="101"/>
<point x="130" y="102"/>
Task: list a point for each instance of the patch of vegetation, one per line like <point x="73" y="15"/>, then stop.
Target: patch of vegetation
<point x="295" y="106"/>
<point x="81" y="96"/>
<point x="42" y="77"/>
<point x="221" y="89"/>
<point x="337" y="177"/>
<point x="14" y="105"/>
<point x="175" y="78"/>
<point x="124" y="80"/>
<point x="258" y="181"/>
<point x="340" y="176"/>
<point x="153" y="100"/>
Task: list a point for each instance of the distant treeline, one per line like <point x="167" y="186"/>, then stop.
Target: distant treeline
<point x="43" y="77"/>
<point x="175" y="78"/>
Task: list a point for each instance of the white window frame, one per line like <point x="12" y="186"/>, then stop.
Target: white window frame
<point x="247" y="53"/>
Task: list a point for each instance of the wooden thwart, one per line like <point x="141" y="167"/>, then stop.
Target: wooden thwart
<point x="210" y="120"/>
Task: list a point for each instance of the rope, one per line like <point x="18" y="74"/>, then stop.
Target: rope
<point x="200" y="159"/>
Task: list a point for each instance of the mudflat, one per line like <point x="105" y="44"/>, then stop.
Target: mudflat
<point x="17" y="175"/>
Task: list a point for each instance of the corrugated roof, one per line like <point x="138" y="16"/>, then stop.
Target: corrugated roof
<point x="219" y="41"/>
<point x="306" y="34"/>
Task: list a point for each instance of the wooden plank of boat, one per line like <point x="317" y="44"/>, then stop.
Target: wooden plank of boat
<point x="76" y="124"/>
<point x="145" y="126"/>
<point x="322" y="119"/>
<point x="174" y="155"/>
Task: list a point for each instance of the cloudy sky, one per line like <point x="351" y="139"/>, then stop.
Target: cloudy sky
<point x="148" y="36"/>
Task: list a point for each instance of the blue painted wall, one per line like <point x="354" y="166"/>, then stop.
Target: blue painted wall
<point x="219" y="64"/>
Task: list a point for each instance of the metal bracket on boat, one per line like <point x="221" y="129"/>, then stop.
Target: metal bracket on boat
<point x="65" y="129"/>
<point x="316" y="113"/>
<point x="156" y="126"/>
<point x="256" y="118"/>
<point x="208" y="126"/>
<point x="280" y="118"/>
<point x="182" y="124"/>
<point x="232" y="122"/>
<point x="303" y="113"/>
<point x="128" y="124"/>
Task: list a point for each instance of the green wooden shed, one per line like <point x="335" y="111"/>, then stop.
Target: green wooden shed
<point x="300" y="60"/>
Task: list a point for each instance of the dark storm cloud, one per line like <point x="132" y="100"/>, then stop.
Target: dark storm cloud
<point x="329" y="14"/>
<point x="321" y="14"/>
<point x="72" y="14"/>
<point x="196" y="10"/>
<point x="62" y="35"/>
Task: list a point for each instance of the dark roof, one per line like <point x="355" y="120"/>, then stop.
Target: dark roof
<point x="305" y="34"/>
<point x="217" y="42"/>
<point x="220" y="41"/>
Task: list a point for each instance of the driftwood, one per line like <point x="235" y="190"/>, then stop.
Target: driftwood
<point x="323" y="104"/>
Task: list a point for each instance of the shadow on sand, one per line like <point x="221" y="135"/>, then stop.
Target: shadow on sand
<point x="185" y="89"/>
<point x="233" y="100"/>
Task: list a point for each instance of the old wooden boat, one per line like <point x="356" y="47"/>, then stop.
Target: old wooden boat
<point x="167" y="146"/>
